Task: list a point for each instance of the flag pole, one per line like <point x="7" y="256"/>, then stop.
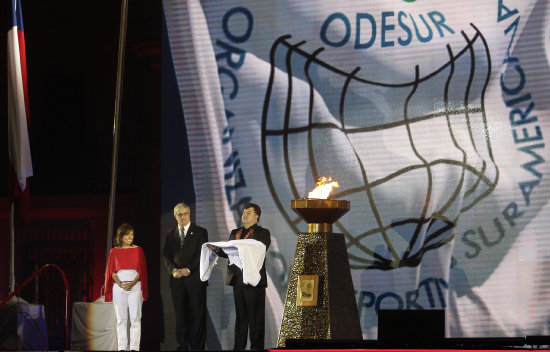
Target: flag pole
<point x="12" y="247"/>
<point x="116" y="124"/>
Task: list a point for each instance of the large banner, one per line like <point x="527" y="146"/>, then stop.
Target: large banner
<point x="431" y="115"/>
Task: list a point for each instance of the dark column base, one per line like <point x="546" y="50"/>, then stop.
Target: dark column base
<point x="335" y="316"/>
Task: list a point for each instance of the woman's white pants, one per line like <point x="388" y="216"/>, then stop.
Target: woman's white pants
<point x="128" y="304"/>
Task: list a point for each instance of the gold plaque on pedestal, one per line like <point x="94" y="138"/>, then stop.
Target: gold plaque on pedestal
<point x="308" y="288"/>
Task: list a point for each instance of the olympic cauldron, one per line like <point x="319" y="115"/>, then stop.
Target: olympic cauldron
<point x="320" y="300"/>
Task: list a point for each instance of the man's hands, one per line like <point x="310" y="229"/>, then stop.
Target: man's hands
<point x="178" y="273"/>
<point x="212" y="247"/>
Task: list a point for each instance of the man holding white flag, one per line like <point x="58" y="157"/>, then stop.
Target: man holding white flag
<point x="249" y="297"/>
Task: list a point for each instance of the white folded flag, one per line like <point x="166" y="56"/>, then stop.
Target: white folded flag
<point x="248" y="255"/>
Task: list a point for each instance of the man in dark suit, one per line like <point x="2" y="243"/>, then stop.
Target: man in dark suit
<point x="182" y="251"/>
<point x="249" y="300"/>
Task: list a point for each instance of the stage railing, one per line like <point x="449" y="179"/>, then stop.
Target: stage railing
<point x="20" y="287"/>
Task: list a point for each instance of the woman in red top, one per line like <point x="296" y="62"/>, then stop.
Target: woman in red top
<point x="126" y="285"/>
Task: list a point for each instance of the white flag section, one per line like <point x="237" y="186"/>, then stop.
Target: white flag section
<point x="247" y="254"/>
<point x="431" y="115"/>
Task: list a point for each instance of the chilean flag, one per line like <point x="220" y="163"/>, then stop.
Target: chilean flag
<point x="18" y="103"/>
<point x="18" y="115"/>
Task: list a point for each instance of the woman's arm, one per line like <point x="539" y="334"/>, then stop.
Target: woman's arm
<point x="116" y="279"/>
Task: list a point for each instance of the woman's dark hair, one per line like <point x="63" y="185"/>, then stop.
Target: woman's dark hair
<point x="122" y="231"/>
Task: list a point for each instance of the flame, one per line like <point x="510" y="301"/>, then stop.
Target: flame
<point x="323" y="188"/>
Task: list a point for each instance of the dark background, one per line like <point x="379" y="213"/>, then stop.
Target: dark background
<point x="72" y="49"/>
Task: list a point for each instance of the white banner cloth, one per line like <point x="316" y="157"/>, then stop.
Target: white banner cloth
<point x="248" y="255"/>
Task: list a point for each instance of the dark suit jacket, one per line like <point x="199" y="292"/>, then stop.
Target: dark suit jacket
<point x="260" y="234"/>
<point x="177" y="256"/>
